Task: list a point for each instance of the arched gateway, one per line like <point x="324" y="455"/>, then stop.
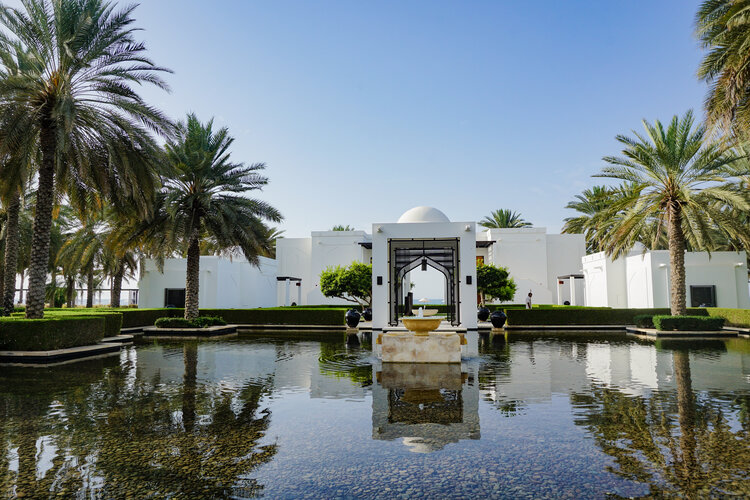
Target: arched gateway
<point x="424" y="236"/>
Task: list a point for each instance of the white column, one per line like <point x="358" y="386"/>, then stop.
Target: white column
<point x="299" y="293"/>
<point x="573" y="291"/>
<point x="286" y="292"/>
<point x="559" y="293"/>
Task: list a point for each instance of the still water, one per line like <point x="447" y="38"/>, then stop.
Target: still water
<point x="535" y="415"/>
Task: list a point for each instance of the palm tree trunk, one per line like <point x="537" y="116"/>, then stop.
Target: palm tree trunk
<point x="192" y="280"/>
<point x="70" y="291"/>
<point x="114" y="300"/>
<point x="11" y="254"/>
<point x="189" y="384"/>
<point x="685" y="416"/>
<point x="42" y="222"/>
<point x="90" y="289"/>
<point x="676" y="261"/>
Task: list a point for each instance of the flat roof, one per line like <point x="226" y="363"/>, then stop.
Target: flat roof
<point x="480" y="244"/>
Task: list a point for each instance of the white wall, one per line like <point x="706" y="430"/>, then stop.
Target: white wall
<point x="535" y="259"/>
<point x="306" y="258"/>
<point x="224" y="283"/>
<point x="646" y="278"/>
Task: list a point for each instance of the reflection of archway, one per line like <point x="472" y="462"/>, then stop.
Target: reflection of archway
<point x="441" y="254"/>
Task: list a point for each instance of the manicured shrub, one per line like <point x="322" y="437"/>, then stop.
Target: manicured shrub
<point x="582" y="316"/>
<point x="174" y="323"/>
<point x="644" y="320"/>
<point x="199" y="322"/>
<point x="112" y="319"/>
<point x="206" y="321"/>
<point x="687" y="323"/>
<point x="55" y="332"/>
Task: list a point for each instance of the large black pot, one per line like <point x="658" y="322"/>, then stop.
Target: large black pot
<point x="367" y="314"/>
<point x="352" y="318"/>
<point x="483" y="313"/>
<point x="498" y="319"/>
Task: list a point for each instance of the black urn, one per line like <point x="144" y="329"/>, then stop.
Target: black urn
<point x="367" y="314"/>
<point x="498" y="319"/>
<point x="352" y="318"/>
<point x="483" y="313"/>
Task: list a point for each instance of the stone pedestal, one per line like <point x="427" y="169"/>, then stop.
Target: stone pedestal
<point x="437" y="347"/>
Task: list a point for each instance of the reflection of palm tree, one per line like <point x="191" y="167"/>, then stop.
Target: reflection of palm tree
<point x="707" y="459"/>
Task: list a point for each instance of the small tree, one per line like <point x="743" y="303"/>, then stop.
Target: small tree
<point x="495" y="283"/>
<point x="353" y="283"/>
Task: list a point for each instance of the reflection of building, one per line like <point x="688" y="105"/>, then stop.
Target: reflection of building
<point x="425" y="405"/>
<point x="537" y="370"/>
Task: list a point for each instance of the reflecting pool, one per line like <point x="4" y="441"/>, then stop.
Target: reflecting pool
<point x="534" y="415"/>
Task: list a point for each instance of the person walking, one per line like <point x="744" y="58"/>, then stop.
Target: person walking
<point x="528" y="301"/>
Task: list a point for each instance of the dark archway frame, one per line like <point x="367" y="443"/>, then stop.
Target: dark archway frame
<point x="442" y="254"/>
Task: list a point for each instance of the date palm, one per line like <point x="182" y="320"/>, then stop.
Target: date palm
<point x="504" y="218"/>
<point x="203" y="199"/>
<point x="683" y="180"/>
<point x="74" y="96"/>
<point x="723" y="28"/>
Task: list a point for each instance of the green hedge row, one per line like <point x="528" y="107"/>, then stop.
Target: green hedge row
<point x="583" y="316"/>
<point x="280" y="316"/>
<point x="687" y="323"/>
<point x="55" y="332"/>
<point x="112" y="319"/>
<point x="733" y="317"/>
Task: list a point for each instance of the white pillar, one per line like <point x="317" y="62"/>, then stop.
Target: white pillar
<point x="286" y="292"/>
<point x="573" y="291"/>
<point x="559" y="293"/>
<point x="299" y="293"/>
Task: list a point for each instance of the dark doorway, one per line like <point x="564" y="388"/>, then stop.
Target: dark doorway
<point x="405" y="255"/>
<point x="174" y="297"/>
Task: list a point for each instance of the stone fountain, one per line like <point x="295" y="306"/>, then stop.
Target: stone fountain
<point x="422" y="343"/>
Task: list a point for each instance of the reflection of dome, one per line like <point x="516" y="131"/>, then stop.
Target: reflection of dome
<point x="423" y="445"/>
<point x="423" y="214"/>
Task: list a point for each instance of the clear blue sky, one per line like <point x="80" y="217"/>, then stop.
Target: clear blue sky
<point x="364" y="109"/>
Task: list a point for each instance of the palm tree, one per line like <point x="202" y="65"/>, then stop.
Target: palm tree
<point x="74" y="97"/>
<point x="202" y="199"/>
<point x="589" y="204"/>
<point x="341" y="227"/>
<point x="683" y="180"/>
<point x="723" y="28"/>
<point x="504" y="218"/>
<point x="84" y="251"/>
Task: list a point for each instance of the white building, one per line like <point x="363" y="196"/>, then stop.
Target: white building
<point x="224" y="283"/>
<point x="534" y="258"/>
<point x="641" y="279"/>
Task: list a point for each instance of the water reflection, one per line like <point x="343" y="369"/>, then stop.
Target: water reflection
<point x="679" y="443"/>
<point x="98" y="429"/>
<point x="425" y="405"/>
<point x="562" y="415"/>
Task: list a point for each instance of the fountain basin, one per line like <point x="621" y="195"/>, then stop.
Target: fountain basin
<point x="421" y="326"/>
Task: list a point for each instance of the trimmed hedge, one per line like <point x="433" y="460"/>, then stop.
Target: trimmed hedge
<point x="298" y="315"/>
<point x="733" y="317"/>
<point x="687" y="323"/>
<point x="199" y="322"/>
<point x="112" y="319"/>
<point x="644" y="320"/>
<point x="55" y="332"/>
<point x="583" y="316"/>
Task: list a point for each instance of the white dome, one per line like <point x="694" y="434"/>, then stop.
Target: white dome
<point x="423" y="214"/>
